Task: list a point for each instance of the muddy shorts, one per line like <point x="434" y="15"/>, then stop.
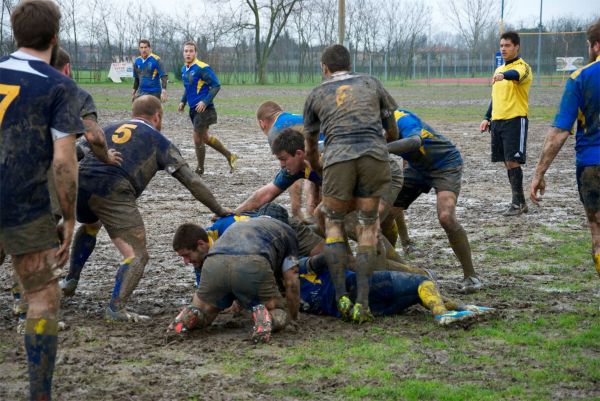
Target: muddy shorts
<point x="205" y="119"/>
<point x="588" y="183"/>
<point x="389" y="292"/>
<point x="365" y="177"/>
<point x="115" y="215"/>
<point x="307" y="238"/>
<point x="247" y="278"/>
<point x="416" y="183"/>
<point x="37" y="235"/>
<point x="509" y="140"/>
<point x="36" y="269"/>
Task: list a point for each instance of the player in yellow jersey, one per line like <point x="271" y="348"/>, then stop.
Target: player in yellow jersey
<point x="506" y="117"/>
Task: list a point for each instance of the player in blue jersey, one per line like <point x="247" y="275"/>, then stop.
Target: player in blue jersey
<point x="248" y="263"/>
<point x="149" y="75"/>
<point x="201" y="85"/>
<point x="391" y="292"/>
<point x="39" y="117"/>
<point x="107" y="196"/>
<point x="433" y="162"/>
<point x="580" y="103"/>
<point x="288" y="147"/>
<point x="272" y="121"/>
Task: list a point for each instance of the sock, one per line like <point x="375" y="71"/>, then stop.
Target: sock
<point x="200" y="155"/>
<point x="402" y="229"/>
<point x="365" y="261"/>
<point x="597" y="262"/>
<point x="462" y="249"/>
<point x="83" y="246"/>
<point x="431" y="298"/>
<point x="337" y="260"/>
<point x="115" y="300"/>
<point x="390" y="231"/>
<point x="515" y="177"/>
<point x="41" y="342"/>
<point x="214" y="143"/>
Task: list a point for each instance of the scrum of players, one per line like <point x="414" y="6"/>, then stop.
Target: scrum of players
<point x="336" y="256"/>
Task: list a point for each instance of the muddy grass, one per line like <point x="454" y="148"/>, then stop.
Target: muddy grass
<point x="100" y="361"/>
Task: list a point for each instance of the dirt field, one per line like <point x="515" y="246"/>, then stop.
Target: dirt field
<point x="100" y="361"/>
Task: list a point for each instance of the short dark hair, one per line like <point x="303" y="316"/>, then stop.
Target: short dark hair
<point x="336" y="58"/>
<point x="145" y="106"/>
<point x="288" y="140"/>
<point x="512" y="36"/>
<point x="267" y="110"/>
<point x="187" y="236"/>
<point x="593" y="33"/>
<point x="145" y="41"/>
<point x="62" y="58"/>
<point x="35" y="23"/>
<point x="191" y="43"/>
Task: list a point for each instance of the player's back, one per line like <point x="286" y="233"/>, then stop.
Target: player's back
<point x="144" y="150"/>
<point x="37" y="102"/>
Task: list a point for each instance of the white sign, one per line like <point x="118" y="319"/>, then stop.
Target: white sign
<point x="568" y="63"/>
<point x="120" y="70"/>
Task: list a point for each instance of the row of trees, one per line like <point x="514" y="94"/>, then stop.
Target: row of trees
<point x="263" y="35"/>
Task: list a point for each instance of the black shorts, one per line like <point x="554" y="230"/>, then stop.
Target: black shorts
<point x="588" y="183"/>
<point x="509" y="140"/>
<point x="205" y="119"/>
<point x="416" y="183"/>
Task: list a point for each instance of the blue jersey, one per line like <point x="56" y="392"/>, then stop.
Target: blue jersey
<point x="390" y="292"/>
<point x="436" y="151"/>
<point x="145" y="151"/>
<point x="288" y="120"/>
<point x="38" y="105"/>
<point x="263" y="236"/>
<point x="581" y="102"/>
<point x="200" y="84"/>
<point x="223" y="223"/>
<point x="283" y="180"/>
<point x="149" y="71"/>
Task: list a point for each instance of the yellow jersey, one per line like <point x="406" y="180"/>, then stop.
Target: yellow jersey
<point x="510" y="98"/>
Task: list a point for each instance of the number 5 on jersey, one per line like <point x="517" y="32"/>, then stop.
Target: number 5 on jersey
<point x="123" y="133"/>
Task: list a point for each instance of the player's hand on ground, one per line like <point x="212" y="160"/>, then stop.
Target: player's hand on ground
<point x="200" y="107"/>
<point x="181" y="107"/>
<point x="114" y="157"/>
<point x="484" y="126"/>
<point x="65" y="230"/>
<point x="538" y="184"/>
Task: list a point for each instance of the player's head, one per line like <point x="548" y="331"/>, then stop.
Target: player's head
<point x="62" y="61"/>
<point x="148" y="108"/>
<point x="144" y="47"/>
<point x="266" y="113"/>
<point x="35" y="24"/>
<point x="288" y="147"/>
<point x="335" y="58"/>
<point x="189" y="51"/>
<point x="274" y="211"/>
<point x="510" y="43"/>
<point x="191" y="243"/>
<point x="593" y="36"/>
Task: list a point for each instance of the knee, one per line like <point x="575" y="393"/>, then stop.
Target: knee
<point x="448" y="220"/>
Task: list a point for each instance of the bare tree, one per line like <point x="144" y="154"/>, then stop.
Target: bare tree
<point x="274" y="14"/>
<point x="6" y="45"/>
<point x="472" y="18"/>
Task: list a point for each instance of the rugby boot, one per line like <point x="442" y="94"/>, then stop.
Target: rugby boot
<point x="112" y="316"/>
<point x="516" y="210"/>
<point x="261" y="332"/>
<point x="478" y="310"/>
<point x="409" y="248"/>
<point x="454" y="316"/>
<point x="361" y="314"/>
<point x="344" y="305"/>
<point x="68" y="287"/>
<point x="232" y="160"/>
<point x="199" y="170"/>
<point x="470" y="285"/>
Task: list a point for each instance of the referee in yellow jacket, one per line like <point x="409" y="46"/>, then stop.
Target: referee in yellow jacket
<point x="506" y="117"/>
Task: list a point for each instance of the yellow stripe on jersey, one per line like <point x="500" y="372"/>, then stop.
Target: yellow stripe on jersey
<point x="311" y="277"/>
<point x="306" y="172"/>
<point x="155" y="56"/>
<point x="510" y="99"/>
<point x="241" y="218"/>
<point x="200" y="84"/>
<point x="399" y="114"/>
<point x="334" y="240"/>
<point x="200" y="64"/>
